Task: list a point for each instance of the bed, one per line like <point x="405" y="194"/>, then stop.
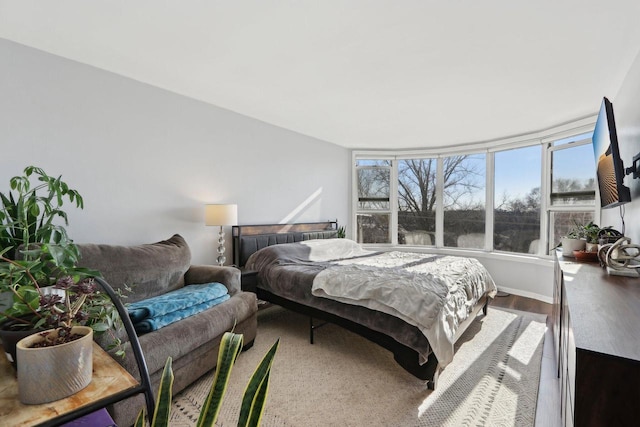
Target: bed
<point x="414" y="305"/>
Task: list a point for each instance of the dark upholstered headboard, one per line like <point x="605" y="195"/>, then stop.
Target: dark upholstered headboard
<point x="248" y="239"/>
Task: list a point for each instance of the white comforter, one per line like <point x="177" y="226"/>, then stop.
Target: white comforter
<point x="434" y="293"/>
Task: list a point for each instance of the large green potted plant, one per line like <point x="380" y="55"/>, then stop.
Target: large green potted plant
<point x="253" y="401"/>
<point x="37" y="256"/>
<point x="30" y="211"/>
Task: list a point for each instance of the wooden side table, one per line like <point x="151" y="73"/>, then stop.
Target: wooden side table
<point x="109" y="378"/>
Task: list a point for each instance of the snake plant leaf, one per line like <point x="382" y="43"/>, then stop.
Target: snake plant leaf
<point x="230" y="348"/>
<point x="163" y="402"/>
<point x="255" y="393"/>
<point x="140" y="420"/>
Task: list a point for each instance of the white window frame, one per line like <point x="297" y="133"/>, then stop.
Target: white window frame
<point x="544" y="139"/>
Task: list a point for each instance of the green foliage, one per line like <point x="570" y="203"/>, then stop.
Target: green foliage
<point x="28" y="212"/>
<point x="255" y="393"/>
<point x="590" y="232"/>
<point x="341" y="232"/>
<point x="37" y="255"/>
<point x="253" y="400"/>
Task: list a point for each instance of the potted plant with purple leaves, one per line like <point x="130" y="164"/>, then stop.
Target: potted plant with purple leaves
<point x="41" y="285"/>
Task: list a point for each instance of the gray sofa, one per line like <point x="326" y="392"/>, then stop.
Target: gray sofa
<point x="154" y="269"/>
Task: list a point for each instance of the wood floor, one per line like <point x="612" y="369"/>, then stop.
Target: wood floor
<point x="548" y="410"/>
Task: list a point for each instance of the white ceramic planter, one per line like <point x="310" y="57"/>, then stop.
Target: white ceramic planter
<point x="52" y="373"/>
<point x="570" y="245"/>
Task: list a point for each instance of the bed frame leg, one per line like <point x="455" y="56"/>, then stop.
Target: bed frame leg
<point x="313" y="327"/>
<point x="432" y="384"/>
<point x="485" y="308"/>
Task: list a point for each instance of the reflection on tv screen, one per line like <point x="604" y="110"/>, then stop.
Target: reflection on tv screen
<point x="607" y="179"/>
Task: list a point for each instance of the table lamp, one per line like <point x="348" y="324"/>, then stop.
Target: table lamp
<point x="221" y="215"/>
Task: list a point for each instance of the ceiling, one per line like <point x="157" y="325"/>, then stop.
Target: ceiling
<point x="357" y="73"/>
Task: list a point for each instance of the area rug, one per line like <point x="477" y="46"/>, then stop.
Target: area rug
<point x="345" y="380"/>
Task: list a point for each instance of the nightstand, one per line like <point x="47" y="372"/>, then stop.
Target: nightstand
<point x="248" y="280"/>
<point x="249" y="283"/>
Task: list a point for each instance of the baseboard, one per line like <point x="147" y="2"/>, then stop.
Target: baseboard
<point x="520" y="292"/>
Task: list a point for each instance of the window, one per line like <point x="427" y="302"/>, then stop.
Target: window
<point x="524" y="195"/>
<point x="516" y="215"/>
<point x="417" y="201"/>
<point x="464" y="190"/>
<point x="572" y="175"/>
<point x="572" y="187"/>
<point x="374" y="201"/>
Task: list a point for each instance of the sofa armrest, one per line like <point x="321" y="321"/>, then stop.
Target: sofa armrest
<point x="228" y="276"/>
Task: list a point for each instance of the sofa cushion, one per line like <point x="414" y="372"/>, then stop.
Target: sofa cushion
<point x="180" y="338"/>
<point x="149" y="269"/>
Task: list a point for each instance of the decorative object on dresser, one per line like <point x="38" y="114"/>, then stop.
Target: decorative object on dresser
<point x="621" y="258"/>
<point x="221" y="215"/>
<point x="595" y="328"/>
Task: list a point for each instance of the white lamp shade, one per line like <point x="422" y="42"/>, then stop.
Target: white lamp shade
<point x="221" y="215"/>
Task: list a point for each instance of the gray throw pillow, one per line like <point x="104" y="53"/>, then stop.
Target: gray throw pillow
<point x="149" y="269"/>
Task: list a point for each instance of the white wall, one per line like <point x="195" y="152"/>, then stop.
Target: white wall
<point x="626" y="108"/>
<point x="147" y="160"/>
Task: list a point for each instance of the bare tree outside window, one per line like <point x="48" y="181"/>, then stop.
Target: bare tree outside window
<point x="374" y="201"/>
<point x="464" y="201"/>
<point x="516" y="214"/>
<point x="463" y="180"/>
<point x="516" y="197"/>
<point x="416" y="201"/>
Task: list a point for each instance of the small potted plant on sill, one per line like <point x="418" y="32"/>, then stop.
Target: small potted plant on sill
<point x="591" y="232"/>
<point x="574" y="240"/>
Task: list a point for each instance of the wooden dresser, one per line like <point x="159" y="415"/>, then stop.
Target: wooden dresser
<point x="596" y="326"/>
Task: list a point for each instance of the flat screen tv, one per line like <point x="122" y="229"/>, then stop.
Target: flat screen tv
<point x="609" y="167"/>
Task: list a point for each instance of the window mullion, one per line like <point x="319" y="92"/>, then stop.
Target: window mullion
<point x="489" y="202"/>
<point x="545" y="192"/>
<point x="439" y="203"/>
<point x="393" y="226"/>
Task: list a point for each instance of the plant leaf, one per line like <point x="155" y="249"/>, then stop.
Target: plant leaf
<point x="255" y="393"/>
<point x="163" y="403"/>
<point x="230" y="347"/>
<point x="141" y="418"/>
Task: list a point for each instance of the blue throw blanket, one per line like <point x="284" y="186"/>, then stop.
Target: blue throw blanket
<point x="155" y="312"/>
<point x="157" y="322"/>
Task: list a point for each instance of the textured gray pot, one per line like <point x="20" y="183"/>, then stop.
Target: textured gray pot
<point x="52" y="373"/>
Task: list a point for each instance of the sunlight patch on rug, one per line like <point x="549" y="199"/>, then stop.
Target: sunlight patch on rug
<point x="344" y="380"/>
